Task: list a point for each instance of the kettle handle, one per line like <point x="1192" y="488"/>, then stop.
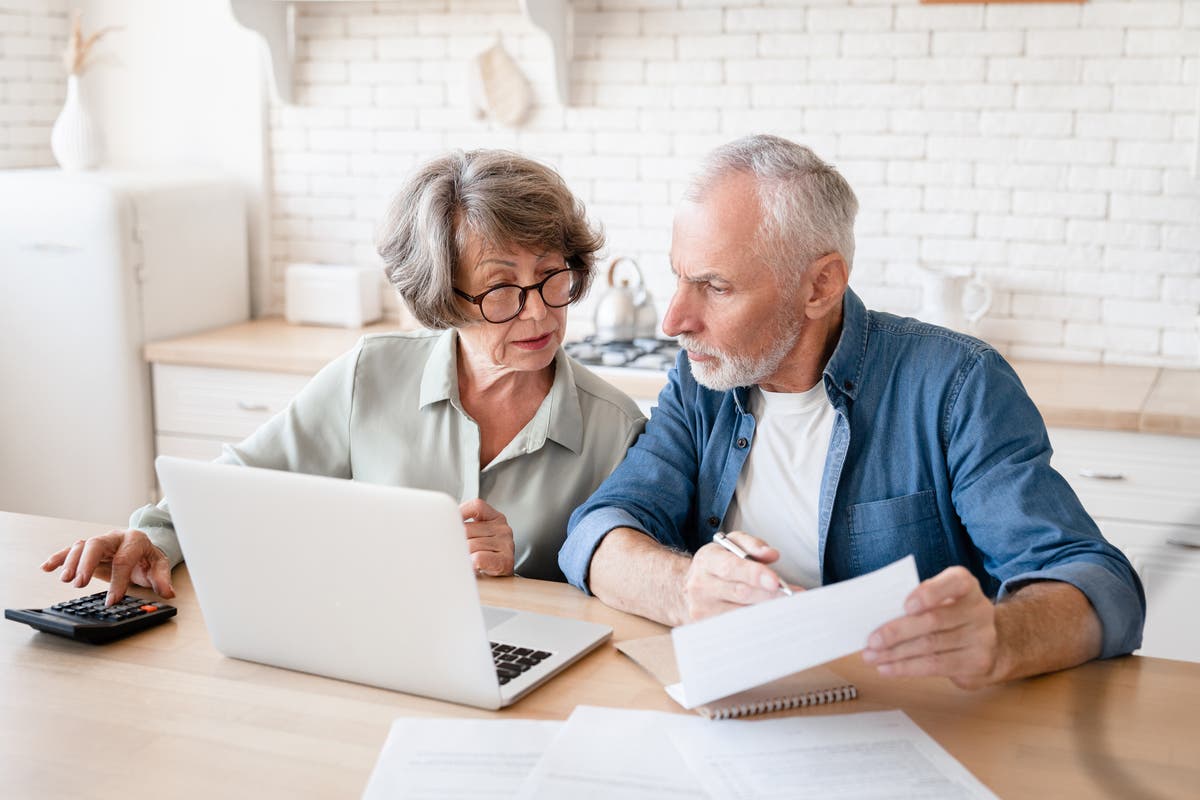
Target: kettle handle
<point x="612" y="269"/>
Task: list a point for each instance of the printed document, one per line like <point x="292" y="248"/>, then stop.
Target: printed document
<point x="614" y="754"/>
<point x="458" y="759"/>
<point x="881" y="754"/>
<point x="741" y="649"/>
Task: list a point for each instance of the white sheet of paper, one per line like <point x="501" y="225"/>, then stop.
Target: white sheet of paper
<point x="457" y="759"/>
<point x="838" y="757"/>
<point x="750" y="646"/>
<point x="615" y="754"/>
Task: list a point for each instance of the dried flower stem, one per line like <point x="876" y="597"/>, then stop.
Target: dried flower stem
<point x="75" y="57"/>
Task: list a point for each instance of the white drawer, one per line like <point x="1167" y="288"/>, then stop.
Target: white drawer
<point x="224" y="403"/>
<point x="1132" y="476"/>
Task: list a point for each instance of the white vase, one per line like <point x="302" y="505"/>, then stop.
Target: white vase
<point x="75" y="138"/>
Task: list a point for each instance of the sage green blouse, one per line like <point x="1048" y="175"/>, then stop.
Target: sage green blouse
<point x="388" y="412"/>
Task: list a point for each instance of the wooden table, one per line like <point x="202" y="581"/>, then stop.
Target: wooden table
<point x="162" y="714"/>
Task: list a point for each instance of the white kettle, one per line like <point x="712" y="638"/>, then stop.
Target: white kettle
<point x="953" y="297"/>
<point x="625" y="312"/>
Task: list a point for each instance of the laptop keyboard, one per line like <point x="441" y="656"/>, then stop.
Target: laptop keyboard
<point x="511" y="660"/>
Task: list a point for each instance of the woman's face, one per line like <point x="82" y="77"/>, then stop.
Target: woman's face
<point x="528" y="341"/>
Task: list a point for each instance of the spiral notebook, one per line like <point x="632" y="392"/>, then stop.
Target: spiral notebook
<point x="815" y="686"/>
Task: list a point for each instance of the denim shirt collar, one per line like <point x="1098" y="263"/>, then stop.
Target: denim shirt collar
<point x="844" y="371"/>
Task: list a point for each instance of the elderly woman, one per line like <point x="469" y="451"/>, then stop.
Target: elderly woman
<point x="488" y="249"/>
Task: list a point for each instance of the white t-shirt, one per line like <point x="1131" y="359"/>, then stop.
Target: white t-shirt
<point x="778" y="491"/>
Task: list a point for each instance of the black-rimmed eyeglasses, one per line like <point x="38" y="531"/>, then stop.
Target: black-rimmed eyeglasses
<point x="502" y="303"/>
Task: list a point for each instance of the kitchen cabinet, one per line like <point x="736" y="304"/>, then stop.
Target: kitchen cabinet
<point x="1143" y="490"/>
<point x="274" y="21"/>
<point x="197" y="409"/>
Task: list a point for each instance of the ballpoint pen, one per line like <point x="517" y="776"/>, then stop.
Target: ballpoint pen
<point x="720" y="538"/>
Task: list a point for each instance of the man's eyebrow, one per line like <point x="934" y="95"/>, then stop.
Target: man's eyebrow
<point x="703" y="277"/>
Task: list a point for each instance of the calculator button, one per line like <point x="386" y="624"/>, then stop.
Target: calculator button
<point x="148" y="608"/>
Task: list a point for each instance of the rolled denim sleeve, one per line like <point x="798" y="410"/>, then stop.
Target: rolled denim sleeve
<point x="1021" y="514"/>
<point x="651" y="490"/>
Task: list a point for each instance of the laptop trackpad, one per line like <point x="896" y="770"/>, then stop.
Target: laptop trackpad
<point x="493" y="616"/>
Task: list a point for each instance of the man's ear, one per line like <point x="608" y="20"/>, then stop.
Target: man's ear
<point x="829" y="276"/>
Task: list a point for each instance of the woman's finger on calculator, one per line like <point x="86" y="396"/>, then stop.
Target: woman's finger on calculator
<point x="95" y="550"/>
<point x="71" y="561"/>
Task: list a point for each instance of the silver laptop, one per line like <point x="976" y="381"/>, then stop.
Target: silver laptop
<point x="371" y="584"/>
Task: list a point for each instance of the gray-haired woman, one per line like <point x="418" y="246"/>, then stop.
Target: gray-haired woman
<point x="489" y="248"/>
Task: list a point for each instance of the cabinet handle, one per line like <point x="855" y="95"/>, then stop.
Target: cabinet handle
<point x="1101" y="474"/>
<point x="1184" y="543"/>
<point x="244" y="406"/>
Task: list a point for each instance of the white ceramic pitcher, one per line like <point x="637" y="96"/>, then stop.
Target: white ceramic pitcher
<point x="953" y="297"/>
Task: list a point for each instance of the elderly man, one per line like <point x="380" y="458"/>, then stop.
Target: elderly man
<point x="833" y="440"/>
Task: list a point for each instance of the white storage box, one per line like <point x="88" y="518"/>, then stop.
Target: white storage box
<point x="323" y="294"/>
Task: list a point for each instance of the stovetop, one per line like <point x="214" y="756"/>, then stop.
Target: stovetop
<point x="652" y="354"/>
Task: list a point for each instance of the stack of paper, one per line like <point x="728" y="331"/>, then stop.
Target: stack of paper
<point x="646" y="755"/>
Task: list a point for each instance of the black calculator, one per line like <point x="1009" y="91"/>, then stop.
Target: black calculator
<point x="85" y="619"/>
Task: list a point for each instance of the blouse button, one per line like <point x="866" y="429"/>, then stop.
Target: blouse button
<point x="742" y="442"/>
<point x="713" y="522"/>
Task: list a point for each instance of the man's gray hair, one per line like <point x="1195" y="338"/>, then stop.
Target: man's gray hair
<point x="808" y="207"/>
<point x="496" y="197"/>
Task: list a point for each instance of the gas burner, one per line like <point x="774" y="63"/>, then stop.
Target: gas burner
<point x="652" y="354"/>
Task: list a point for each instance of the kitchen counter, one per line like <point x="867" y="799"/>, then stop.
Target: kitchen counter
<point x="1104" y="396"/>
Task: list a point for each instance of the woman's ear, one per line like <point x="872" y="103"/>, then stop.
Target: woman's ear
<point x="829" y="278"/>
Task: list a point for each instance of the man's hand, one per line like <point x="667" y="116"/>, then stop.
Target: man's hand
<point x="949" y="629"/>
<point x="718" y="581"/>
<point x="119" y="557"/>
<point x="489" y="538"/>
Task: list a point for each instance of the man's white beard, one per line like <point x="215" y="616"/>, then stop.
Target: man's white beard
<point x="729" y="371"/>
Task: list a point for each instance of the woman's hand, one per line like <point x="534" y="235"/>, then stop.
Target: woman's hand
<point x="489" y="538"/>
<point x="119" y="557"/>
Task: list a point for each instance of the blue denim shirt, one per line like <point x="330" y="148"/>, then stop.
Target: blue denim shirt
<point x="937" y="451"/>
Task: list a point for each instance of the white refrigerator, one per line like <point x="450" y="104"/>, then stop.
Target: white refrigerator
<point x="92" y="266"/>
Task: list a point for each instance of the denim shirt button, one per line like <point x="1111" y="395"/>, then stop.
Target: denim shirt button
<point x="742" y="442"/>
<point x="713" y="522"/>
<point x="849" y="386"/>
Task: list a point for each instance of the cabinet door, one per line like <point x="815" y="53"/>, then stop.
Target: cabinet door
<point x="1138" y="477"/>
<point x="1167" y="559"/>
<point x="227" y="404"/>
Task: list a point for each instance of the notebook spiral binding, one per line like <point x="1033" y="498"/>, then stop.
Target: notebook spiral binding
<point x="782" y="703"/>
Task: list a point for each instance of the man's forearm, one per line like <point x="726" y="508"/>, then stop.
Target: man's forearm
<point x="1043" y="627"/>
<point x="632" y="572"/>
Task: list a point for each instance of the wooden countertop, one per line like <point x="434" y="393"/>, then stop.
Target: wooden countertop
<point x="1105" y="396"/>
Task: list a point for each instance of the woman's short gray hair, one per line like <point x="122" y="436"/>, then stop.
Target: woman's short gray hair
<point x="808" y="207"/>
<point x="500" y="198"/>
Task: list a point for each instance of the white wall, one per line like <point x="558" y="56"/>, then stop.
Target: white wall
<point x="1050" y="145"/>
<point x="33" y="34"/>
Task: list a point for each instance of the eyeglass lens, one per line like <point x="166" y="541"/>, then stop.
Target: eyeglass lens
<point x="503" y="303"/>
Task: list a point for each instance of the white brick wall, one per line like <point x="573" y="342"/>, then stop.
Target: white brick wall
<point x="1048" y="145"/>
<point x="33" y="85"/>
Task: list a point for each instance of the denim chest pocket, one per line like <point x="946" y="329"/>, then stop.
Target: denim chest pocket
<point x="887" y="530"/>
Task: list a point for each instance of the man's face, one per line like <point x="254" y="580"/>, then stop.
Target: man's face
<point x="728" y="310"/>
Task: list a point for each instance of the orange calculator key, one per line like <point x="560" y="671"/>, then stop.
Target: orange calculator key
<point x="148" y="608"/>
